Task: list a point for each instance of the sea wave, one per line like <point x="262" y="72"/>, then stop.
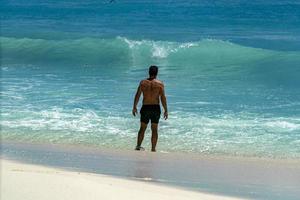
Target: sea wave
<point x="121" y="51"/>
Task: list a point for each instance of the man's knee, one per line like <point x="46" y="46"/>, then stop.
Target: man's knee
<point x="154" y="127"/>
<point x="143" y="127"/>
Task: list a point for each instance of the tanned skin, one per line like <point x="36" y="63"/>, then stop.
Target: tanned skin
<point x="153" y="92"/>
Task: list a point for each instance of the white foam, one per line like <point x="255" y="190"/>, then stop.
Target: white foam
<point x="280" y="124"/>
<point x="159" y="51"/>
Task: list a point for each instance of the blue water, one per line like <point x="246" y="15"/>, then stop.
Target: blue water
<point x="69" y="71"/>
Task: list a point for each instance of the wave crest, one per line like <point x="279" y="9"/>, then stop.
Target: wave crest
<point x="125" y="52"/>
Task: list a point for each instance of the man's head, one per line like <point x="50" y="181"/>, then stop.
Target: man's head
<point x="153" y="70"/>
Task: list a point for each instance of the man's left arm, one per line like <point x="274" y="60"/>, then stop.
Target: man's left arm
<point x="136" y="99"/>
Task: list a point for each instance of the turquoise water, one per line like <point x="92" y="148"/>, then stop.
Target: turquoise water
<point x="69" y="71"/>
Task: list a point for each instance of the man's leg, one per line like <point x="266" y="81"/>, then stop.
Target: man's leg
<point x="154" y="136"/>
<point x="141" y="135"/>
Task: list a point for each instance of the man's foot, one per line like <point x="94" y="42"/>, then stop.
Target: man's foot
<point x="139" y="148"/>
<point x="153" y="150"/>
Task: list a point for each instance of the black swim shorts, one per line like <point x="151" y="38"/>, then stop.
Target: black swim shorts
<point x="150" y="112"/>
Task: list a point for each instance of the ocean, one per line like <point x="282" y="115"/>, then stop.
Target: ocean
<point x="70" y="69"/>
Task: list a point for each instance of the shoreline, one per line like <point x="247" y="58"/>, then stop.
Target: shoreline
<point x="27" y="181"/>
<point x="225" y="176"/>
<point x="194" y="155"/>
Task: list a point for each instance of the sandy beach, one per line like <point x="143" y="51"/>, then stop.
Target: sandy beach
<point x="33" y="182"/>
<point x="43" y="171"/>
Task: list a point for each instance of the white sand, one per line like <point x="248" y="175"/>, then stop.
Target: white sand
<point x="33" y="182"/>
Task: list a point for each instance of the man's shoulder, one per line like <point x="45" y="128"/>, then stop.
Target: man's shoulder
<point x="159" y="82"/>
<point x="143" y="81"/>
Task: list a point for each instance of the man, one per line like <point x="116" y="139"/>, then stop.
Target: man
<point x="153" y="91"/>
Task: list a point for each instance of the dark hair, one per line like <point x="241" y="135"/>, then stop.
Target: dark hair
<point x="153" y="70"/>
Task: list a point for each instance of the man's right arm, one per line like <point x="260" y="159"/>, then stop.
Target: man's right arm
<point x="163" y="100"/>
<point x="136" y="99"/>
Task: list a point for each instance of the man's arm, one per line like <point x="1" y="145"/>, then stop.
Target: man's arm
<point x="163" y="100"/>
<point x="136" y="99"/>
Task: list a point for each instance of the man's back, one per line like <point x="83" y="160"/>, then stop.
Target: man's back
<point x="152" y="90"/>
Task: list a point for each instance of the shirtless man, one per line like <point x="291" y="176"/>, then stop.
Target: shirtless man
<point x="152" y="90"/>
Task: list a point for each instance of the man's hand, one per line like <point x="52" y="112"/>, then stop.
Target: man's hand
<point x="166" y="115"/>
<point x="134" y="111"/>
